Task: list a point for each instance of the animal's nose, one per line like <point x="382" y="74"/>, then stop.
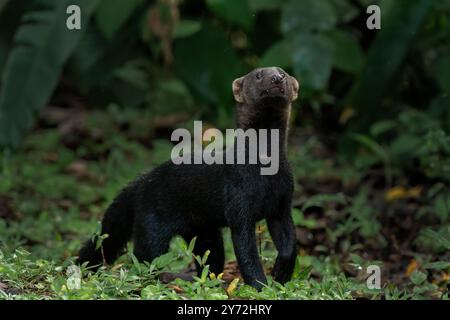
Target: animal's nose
<point x="277" y="78"/>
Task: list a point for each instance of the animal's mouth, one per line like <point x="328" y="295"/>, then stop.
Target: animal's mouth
<point x="274" y="91"/>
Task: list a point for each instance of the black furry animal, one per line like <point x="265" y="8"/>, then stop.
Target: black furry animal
<point x="199" y="200"/>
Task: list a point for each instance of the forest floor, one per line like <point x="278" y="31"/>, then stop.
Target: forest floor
<point x="54" y="190"/>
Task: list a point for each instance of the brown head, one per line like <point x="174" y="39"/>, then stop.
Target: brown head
<point x="265" y="84"/>
<point x="265" y="95"/>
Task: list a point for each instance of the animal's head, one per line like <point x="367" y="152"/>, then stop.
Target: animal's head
<point x="265" y="84"/>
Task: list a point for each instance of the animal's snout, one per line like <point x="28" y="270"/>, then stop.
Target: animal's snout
<point x="277" y="78"/>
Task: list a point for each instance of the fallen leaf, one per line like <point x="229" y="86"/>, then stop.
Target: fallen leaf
<point x="232" y="287"/>
<point x="346" y="115"/>
<point x="412" y="266"/>
<point x="396" y="193"/>
<point x="415" y="192"/>
<point x="445" y="276"/>
<point x="176" y="288"/>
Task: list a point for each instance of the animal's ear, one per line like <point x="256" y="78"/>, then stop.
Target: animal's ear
<point x="295" y="88"/>
<point x="237" y="90"/>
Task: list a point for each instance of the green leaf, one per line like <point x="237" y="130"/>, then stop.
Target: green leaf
<point x="99" y="240"/>
<point x="186" y="28"/>
<point x="236" y="12"/>
<point x="438" y="265"/>
<point x="301" y="272"/>
<point x="112" y="15"/>
<point x="300" y="220"/>
<point x="442" y="207"/>
<point x="135" y="261"/>
<point x="205" y="257"/>
<point x="204" y="275"/>
<point x="383" y="126"/>
<point x="94" y="62"/>
<point x="418" y="277"/>
<point x="133" y="74"/>
<point x="307" y="15"/>
<point x="192" y="245"/>
<point x="321" y="200"/>
<point x="279" y="54"/>
<point x="357" y="260"/>
<point x="208" y="78"/>
<point x="372" y="145"/>
<point x="42" y="46"/>
<point x="348" y="55"/>
<point x="400" y="25"/>
<point x="440" y="239"/>
<point x="183" y="245"/>
<point x="164" y="260"/>
<point x="10" y="19"/>
<point x="405" y="144"/>
<point x="312" y="56"/>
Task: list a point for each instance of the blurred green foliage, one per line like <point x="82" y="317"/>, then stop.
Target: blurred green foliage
<point x="381" y="97"/>
<point x="182" y="55"/>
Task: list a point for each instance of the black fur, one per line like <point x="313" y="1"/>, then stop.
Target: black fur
<point x="199" y="200"/>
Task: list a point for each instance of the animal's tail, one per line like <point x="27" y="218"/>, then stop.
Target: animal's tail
<point x="118" y="225"/>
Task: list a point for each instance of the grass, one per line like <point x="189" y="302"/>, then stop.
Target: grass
<point x="55" y="189"/>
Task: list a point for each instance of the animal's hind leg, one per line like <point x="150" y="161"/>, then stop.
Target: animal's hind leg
<point x="151" y="237"/>
<point x="212" y="241"/>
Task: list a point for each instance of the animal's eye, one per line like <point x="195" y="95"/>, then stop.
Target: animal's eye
<point x="283" y="75"/>
<point x="259" y="75"/>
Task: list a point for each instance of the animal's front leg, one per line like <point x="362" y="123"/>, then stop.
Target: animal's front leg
<point x="244" y="242"/>
<point x="282" y="230"/>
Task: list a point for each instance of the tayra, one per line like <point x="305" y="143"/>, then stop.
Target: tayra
<point x="199" y="200"/>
